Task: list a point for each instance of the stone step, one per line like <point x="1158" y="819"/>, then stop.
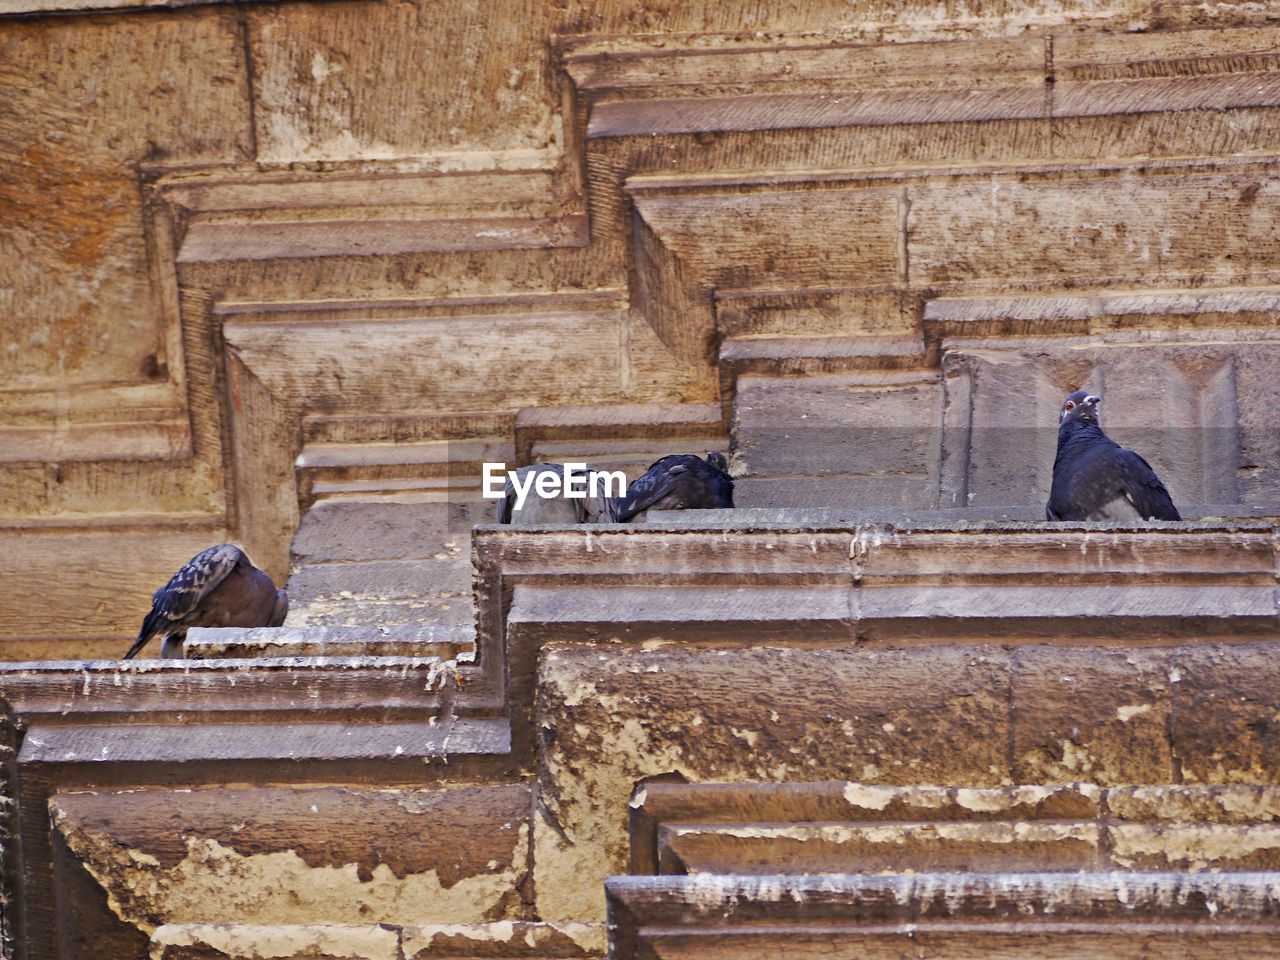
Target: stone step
<point x="386" y="561"/>
<point x="345" y="854"/>
<point x="447" y="643"/>
<point x="447" y="466"/>
<point x="1041" y="916"/>
<point x="661" y="704"/>
<point x="842" y="827"/>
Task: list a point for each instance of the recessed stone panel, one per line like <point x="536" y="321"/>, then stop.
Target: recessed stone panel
<point x="853" y="440"/>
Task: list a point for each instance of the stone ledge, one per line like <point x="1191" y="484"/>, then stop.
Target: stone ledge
<point x="693" y="86"/>
<point x="1032" y="915"/>
<point x="303" y="854"/>
<point x="207" y="743"/>
<point x="428" y="640"/>
<point x="340" y="688"/>
<point x="1198" y="516"/>
<point x="865" y="611"/>
<point x="806" y="828"/>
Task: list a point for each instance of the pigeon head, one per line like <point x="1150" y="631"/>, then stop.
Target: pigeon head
<point x="718" y="460"/>
<point x="1080" y="407"/>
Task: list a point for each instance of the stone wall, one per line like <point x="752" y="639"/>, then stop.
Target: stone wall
<point x="289" y="273"/>
<point x="265" y="253"/>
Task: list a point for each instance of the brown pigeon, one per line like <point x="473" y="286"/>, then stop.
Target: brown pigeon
<point x="218" y="588"/>
<point x="1094" y="478"/>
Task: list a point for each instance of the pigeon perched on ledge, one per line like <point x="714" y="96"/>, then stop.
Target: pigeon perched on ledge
<point x="217" y="588"/>
<point x="680" y="482"/>
<point x="1094" y="478"/>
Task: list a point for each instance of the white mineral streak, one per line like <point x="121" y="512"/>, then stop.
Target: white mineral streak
<point x="991" y="799"/>
<point x="1193" y="846"/>
<point x="870" y="797"/>
<point x="1125" y="714"/>
<point x="712" y="893"/>
<point x="959" y="831"/>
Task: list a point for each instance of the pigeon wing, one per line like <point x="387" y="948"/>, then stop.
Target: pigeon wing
<point x="180" y="597"/>
<point x="1143" y="488"/>
<point x="654" y="484"/>
<point x="196" y="580"/>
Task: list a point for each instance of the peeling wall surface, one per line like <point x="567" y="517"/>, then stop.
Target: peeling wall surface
<point x="288" y="274"/>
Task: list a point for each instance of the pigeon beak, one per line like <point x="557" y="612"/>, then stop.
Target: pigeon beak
<point x="1093" y="401"/>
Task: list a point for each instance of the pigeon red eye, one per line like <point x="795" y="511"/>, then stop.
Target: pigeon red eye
<point x="1070" y="405"/>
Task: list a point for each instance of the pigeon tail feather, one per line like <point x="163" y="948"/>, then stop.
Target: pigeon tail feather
<point x="153" y="625"/>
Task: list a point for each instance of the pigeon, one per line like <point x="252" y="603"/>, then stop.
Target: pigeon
<point x="558" y="509"/>
<point x="1094" y="478"/>
<point x="679" y="482"/>
<point x="217" y="588"/>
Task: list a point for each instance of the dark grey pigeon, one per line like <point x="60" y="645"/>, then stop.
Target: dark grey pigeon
<point x="217" y="588"/>
<point x="680" y="482"/>
<point x="1094" y="478"/>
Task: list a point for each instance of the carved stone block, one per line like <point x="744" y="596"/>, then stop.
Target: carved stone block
<point x="400" y="855"/>
<point x="854" y="440"/>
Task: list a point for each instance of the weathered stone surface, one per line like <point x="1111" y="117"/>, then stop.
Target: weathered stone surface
<point x="855" y="440"/>
<point x="382" y="529"/>
<point x="311" y="103"/>
<point x="900" y="848"/>
<point x="444" y="642"/>
<point x="608" y="717"/>
<point x="86" y="102"/>
<point x="1197" y="223"/>
<point x="461" y="363"/>
<point x="855" y="828"/>
<point x="1026" y="915"/>
<point x="401" y="855"/>
<point x="384" y="592"/>
<point x="1224" y="709"/>
<point x="113" y="573"/>
<point x="314" y="266"/>
<point x="388" y="561"/>
<point x="346" y="252"/>
<point x="1089" y="714"/>
<point x="518" y="939"/>
<point x="926" y="582"/>
<point x="505" y="938"/>
<point x="253" y="941"/>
